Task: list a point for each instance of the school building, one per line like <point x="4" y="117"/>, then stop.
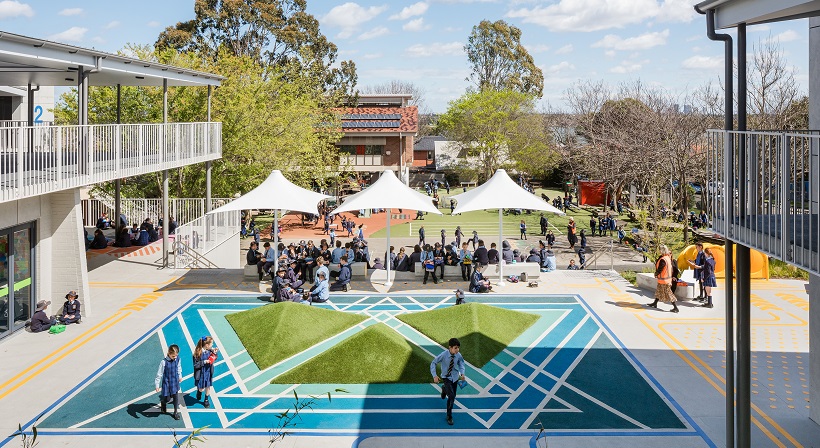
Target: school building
<point x="43" y="166"/>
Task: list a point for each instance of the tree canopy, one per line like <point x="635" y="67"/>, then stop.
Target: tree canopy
<point x="498" y="60"/>
<point x="497" y="129"/>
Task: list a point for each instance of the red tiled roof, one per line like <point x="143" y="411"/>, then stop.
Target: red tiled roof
<point x="409" y="121"/>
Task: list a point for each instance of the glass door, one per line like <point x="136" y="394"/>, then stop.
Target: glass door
<point x="21" y="276"/>
<point x="5" y="304"/>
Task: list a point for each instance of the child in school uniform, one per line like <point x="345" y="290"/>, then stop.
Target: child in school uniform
<point x="452" y="371"/>
<point x="169" y="376"/>
<point x="205" y="355"/>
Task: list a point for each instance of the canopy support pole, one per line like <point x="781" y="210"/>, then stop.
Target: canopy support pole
<point x="275" y="231"/>
<point x="387" y="258"/>
<point x="500" y="238"/>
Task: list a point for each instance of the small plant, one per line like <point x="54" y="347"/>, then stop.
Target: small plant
<point x="190" y="440"/>
<point x="541" y="436"/>
<point x="26" y="441"/>
<point x="287" y="419"/>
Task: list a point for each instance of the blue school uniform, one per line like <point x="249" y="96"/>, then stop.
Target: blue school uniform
<point x="203" y="372"/>
<point x="168" y="377"/>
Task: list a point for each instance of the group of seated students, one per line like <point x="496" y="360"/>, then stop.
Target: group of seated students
<point x="143" y="235"/>
<point x="70" y="314"/>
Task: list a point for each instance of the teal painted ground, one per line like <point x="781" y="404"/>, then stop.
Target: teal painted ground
<point x="565" y="372"/>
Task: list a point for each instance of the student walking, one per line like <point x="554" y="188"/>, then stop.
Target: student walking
<point x="169" y="376"/>
<point x="205" y="355"/>
<point x="707" y="272"/>
<point x="452" y="371"/>
<point x="544" y="223"/>
<point x="421" y="236"/>
<point x="459" y="235"/>
<point x="443" y="234"/>
<point x="571" y="237"/>
<point x="523" y="228"/>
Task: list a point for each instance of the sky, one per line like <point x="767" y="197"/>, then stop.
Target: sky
<point x="659" y="42"/>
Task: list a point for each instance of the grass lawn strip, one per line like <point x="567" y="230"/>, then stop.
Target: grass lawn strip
<point x="275" y="332"/>
<point x="377" y="354"/>
<point x="483" y="330"/>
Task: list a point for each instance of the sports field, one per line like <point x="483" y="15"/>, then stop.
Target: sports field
<point x="567" y="372"/>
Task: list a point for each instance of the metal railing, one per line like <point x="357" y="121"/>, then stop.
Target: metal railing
<point x="36" y="160"/>
<point x="361" y="160"/>
<point x="196" y="239"/>
<point x="19" y="123"/>
<point x="184" y="210"/>
<point x="763" y="190"/>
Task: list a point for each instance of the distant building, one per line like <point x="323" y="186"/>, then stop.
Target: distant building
<point x="424" y="151"/>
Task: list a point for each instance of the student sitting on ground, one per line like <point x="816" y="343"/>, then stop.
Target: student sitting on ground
<point x="71" y="309"/>
<point x="143" y="239"/>
<point x="40" y="321"/>
<point x="321" y="293"/>
<point x="281" y="290"/>
<point x="291" y="276"/>
<point x="100" y="242"/>
<point x="377" y="263"/>
<point x="572" y="266"/>
<point x="477" y="281"/>
<point x="124" y="238"/>
<point x="343" y="281"/>
<point x="103" y="222"/>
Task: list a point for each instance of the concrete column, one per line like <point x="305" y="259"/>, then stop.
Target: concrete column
<point x="814" y="281"/>
<point x="65" y="262"/>
<point x="165" y="219"/>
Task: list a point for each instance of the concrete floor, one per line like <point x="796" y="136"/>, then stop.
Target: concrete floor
<point x="684" y="352"/>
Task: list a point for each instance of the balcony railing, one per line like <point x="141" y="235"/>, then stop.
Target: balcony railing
<point x="361" y="160"/>
<point x="43" y="159"/>
<point x="765" y="193"/>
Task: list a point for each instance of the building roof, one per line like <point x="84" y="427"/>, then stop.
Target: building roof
<point x="730" y="13"/>
<point x="380" y="120"/>
<point x="27" y="60"/>
<point x="427" y="143"/>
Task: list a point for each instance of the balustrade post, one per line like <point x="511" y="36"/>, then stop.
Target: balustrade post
<point x="118" y="150"/>
<point x="89" y="133"/>
<point x="20" y="165"/>
<point x="785" y="203"/>
<point x="140" y="144"/>
<point x="59" y="155"/>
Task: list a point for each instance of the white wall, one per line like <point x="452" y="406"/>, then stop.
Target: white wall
<point x="43" y="98"/>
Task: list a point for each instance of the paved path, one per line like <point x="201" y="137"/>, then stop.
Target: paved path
<point x="679" y="356"/>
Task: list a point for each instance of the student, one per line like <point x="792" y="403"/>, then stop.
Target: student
<point x="582" y="259"/>
<point x="205" y="355"/>
<point x="572" y="266"/>
<point x="343" y="281"/>
<point x="439" y="258"/>
<point x="507" y="253"/>
<point x="707" y="272"/>
<point x="550" y="238"/>
<point x="321" y="264"/>
<point x="103" y="222"/>
<point x="477" y="281"/>
<point x="421" y="236"/>
<point x="492" y="254"/>
<point x="534" y="257"/>
<point x="583" y="239"/>
<point x="266" y="262"/>
<point x="172" y="226"/>
<point x="428" y="263"/>
<point x="475" y="240"/>
<point x="571" y="237"/>
<point x="123" y="238"/>
<point x="400" y="264"/>
<point x="452" y="370"/>
<point x="71" y="309"/>
<point x="414" y="258"/>
<point x="544" y="223"/>
<point x="466" y="259"/>
<point x="443" y="234"/>
<point x="696" y="266"/>
<point x="523" y="229"/>
<point x="592" y="225"/>
<point x="292" y="278"/>
<point x="621" y="234"/>
<point x="332" y="237"/>
<point x="377" y="263"/>
<point x="321" y="293"/>
<point x="480" y="255"/>
<point x="40" y="321"/>
<point x="281" y="290"/>
<point x="100" y="242"/>
<point x="253" y="255"/>
<point x="459" y="235"/>
<point x="169" y="377"/>
<point x="337" y="253"/>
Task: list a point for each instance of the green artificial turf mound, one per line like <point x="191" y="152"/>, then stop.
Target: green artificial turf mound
<point x="376" y="354"/>
<point x="278" y="331"/>
<point x="483" y="330"/>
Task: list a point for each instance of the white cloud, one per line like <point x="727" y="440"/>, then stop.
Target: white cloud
<point x="559" y="67"/>
<point x="642" y="42"/>
<point x="785" y="36"/>
<point x="628" y="67"/>
<point x="416" y="25"/>
<point x="71" y="12"/>
<point x="416" y="9"/>
<point x="10" y="9"/>
<point x="112" y="24"/>
<point x="566" y="49"/>
<point x="436" y="49"/>
<point x="73" y="34"/>
<point x="610" y="53"/>
<point x="596" y="15"/>
<point x="153" y="24"/>
<point x="537" y="48"/>
<point x="349" y="17"/>
<point x="372" y="55"/>
<point x="703" y="62"/>
<point x="98" y="40"/>
<point x="374" y="33"/>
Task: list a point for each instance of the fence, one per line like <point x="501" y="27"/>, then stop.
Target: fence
<point x="194" y="240"/>
<point x="36" y="160"/>
<point x="184" y="210"/>
<point x="765" y="193"/>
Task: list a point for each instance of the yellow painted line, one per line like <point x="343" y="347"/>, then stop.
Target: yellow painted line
<point x="66" y="350"/>
<point x="137" y="285"/>
<point x="720" y="389"/>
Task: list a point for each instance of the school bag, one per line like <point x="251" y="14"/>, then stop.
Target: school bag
<point x="56" y="329"/>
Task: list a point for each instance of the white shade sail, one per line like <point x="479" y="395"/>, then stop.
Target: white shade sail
<point x="276" y="193"/>
<point x="500" y="192"/>
<point x="388" y="192"/>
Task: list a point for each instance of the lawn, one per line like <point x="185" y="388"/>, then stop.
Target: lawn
<point x="377" y="354"/>
<point x="275" y="332"/>
<point x="483" y="330"/>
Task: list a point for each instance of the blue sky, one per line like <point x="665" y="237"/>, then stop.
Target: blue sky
<point x="660" y="42"/>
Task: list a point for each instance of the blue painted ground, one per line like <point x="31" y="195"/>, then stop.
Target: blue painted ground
<point x="566" y="372"/>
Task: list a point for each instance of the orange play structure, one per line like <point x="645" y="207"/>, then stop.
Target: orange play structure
<point x="759" y="260"/>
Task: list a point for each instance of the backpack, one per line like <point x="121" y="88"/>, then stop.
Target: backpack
<point x="56" y="329"/>
<point x="513" y="279"/>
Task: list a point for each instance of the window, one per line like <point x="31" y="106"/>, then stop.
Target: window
<point x="347" y="149"/>
<point x="373" y="150"/>
<point x="430" y="155"/>
<point x="16" y="277"/>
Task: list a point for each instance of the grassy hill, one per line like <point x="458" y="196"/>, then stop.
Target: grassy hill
<point x="377" y="354"/>
<point x="483" y="330"/>
<point x="275" y="332"/>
